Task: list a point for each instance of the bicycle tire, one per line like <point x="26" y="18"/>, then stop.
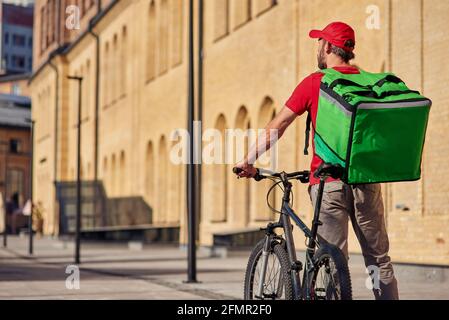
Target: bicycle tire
<point x="323" y="254"/>
<point x="282" y="256"/>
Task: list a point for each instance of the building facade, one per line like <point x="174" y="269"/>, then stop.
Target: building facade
<point x="17" y="38"/>
<point x="15" y="148"/>
<point x="133" y="58"/>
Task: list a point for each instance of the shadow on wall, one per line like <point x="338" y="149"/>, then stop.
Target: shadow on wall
<point x="97" y="210"/>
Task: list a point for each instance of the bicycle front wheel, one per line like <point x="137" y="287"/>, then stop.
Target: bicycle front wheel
<point x="331" y="279"/>
<point x="277" y="284"/>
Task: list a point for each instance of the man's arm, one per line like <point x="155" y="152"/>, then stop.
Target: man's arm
<point x="265" y="141"/>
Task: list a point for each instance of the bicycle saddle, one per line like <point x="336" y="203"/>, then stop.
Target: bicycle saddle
<point x="335" y="171"/>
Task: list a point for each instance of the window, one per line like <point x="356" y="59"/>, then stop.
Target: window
<point x="6" y="38"/>
<point x="105" y="75"/>
<point x="151" y="43"/>
<point x="30" y="42"/>
<point x="264" y="5"/>
<point x="18" y="61"/>
<point x="163" y="37"/>
<point x="86" y="91"/>
<point x="114" y="65"/>
<point x="54" y="23"/>
<point x="177" y="20"/>
<point x="48" y="25"/>
<point x="15" y="185"/>
<point x="123" y="63"/>
<point x="242" y="12"/>
<point x="43" y="30"/>
<point x="221" y="10"/>
<point x="18" y="40"/>
<point x="15" y="146"/>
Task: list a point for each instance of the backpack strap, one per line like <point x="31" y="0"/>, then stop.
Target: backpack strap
<point x="307" y="135"/>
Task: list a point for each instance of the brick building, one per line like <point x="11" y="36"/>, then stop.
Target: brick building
<point x="133" y="58"/>
<point x="16" y="38"/>
<point x="15" y="147"/>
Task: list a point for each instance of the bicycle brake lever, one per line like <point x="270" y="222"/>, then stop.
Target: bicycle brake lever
<point x="258" y="177"/>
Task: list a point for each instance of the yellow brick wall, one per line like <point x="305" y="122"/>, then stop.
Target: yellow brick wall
<point x="251" y="66"/>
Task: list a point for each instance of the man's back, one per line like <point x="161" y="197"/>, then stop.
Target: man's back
<point x="305" y="99"/>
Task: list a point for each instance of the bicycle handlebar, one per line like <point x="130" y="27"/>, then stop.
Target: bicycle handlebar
<point x="262" y="174"/>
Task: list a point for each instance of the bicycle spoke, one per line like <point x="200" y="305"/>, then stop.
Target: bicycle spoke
<point x="272" y="287"/>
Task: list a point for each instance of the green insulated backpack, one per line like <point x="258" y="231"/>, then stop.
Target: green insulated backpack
<point x="372" y="125"/>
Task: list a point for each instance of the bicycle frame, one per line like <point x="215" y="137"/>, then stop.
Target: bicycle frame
<point x="288" y="214"/>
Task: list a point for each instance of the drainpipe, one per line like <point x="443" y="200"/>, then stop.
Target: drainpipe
<point x="55" y="173"/>
<point x="97" y="99"/>
<point x="53" y="66"/>
<point x="97" y="111"/>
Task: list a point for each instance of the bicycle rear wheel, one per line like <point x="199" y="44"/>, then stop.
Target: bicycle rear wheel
<point x="278" y="282"/>
<point x="331" y="279"/>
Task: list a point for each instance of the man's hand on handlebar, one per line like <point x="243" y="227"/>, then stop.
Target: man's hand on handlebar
<point x="248" y="170"/>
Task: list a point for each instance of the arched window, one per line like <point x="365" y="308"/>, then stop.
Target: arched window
<point x="114" y="67"/>
<point x="151" y="43"/>
<point x="83" y="93"/>
<point x="221" y="21"/>
<point x="240" y="189"/>
<point x="88" y="173"/>
<point x="123" y="63"/>
<point x="242" y="12"/>
<point x="162" y="181"/>
<point x="86" y="90"/>
<point x="177" y="29"/>
<point x="105" y="77"/>
<point x="163" y="37"/>
<point x="264" y="5"/>
<point x="123" y="173"/>
<point x="113" y="176"/>
<point x="262" y="213"/>
<point x="105" y="173"/>
<point x="174" y="185"/>
<point x="149" y="176"/>
<point x="220" y="169"/>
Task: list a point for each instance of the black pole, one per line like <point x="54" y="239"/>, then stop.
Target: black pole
<point x="191" y="195"/>
<point x="78" y="176"/>
<point x="30" y="221"/>
<point x="200" y="101"/>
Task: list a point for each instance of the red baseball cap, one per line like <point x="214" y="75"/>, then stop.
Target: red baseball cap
<point x="338" y="33"/>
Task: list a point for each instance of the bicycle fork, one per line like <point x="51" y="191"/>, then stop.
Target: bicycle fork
<point x="265" y="254"/>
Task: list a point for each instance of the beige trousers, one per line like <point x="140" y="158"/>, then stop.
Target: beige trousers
<point x="362" y="204"/>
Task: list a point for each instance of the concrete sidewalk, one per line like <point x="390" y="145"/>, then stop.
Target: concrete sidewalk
<point x="114" y="271"/>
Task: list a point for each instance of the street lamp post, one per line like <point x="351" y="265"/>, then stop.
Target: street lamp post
<point x="191" y="172"/>
<point x="30" y="221"/>
<point x="78" y="174"/>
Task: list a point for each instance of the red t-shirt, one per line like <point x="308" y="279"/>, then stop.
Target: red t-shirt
<point x="305" y="98"/>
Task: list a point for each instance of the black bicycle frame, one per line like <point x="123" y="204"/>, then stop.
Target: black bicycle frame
<point x="311" y="234"/>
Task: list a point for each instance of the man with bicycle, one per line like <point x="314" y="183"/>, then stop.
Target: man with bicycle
<point x="362" y="204"/>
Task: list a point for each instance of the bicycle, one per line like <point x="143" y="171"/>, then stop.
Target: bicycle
<point x="325" y="271"/>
